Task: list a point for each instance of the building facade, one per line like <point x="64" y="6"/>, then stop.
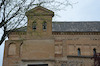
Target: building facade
<point x="46" y="43"/>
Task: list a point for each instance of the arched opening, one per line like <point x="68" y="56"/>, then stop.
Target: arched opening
<point x="94" y="51"/>
<point x="44" y="25"/>
<point x="34" y="25"/>
<point x="12" y="49"/>
<point x="79" y="51"/>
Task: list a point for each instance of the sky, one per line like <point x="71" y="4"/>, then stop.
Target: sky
<point x="82" y="10"/>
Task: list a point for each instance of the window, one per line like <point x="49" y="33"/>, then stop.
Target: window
<point x="34" y="26"/>
<point x="38" y="65"/>
<point x="44" y="25"/>
<point x="79" y="51"/>
<point x="63" y="64"/>
<point x="94" y="51"/>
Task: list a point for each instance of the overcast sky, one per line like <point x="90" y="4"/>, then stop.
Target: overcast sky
<point x="83" y="10"/>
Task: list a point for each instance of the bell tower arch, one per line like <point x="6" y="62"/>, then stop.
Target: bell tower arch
<point x="39" y="22"/>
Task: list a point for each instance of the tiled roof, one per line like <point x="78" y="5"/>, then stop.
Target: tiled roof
<point x="92" y="26"/>
<point x="76" y="26"/>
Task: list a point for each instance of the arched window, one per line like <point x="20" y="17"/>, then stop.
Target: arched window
<point x="44" y="25"/>
<point x="79" y="51"/>
<point x="94" y="51"/>
<point x="12" y="49"/>
<point x="34" y="26"/>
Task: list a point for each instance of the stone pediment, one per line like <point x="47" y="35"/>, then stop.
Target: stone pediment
<point x="39" y="11"/>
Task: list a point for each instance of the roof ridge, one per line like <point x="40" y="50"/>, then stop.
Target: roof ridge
<point x="76" y="21"/>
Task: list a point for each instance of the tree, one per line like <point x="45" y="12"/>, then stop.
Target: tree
<point x="12" y="13"/>
<point x="96" y="58"/>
